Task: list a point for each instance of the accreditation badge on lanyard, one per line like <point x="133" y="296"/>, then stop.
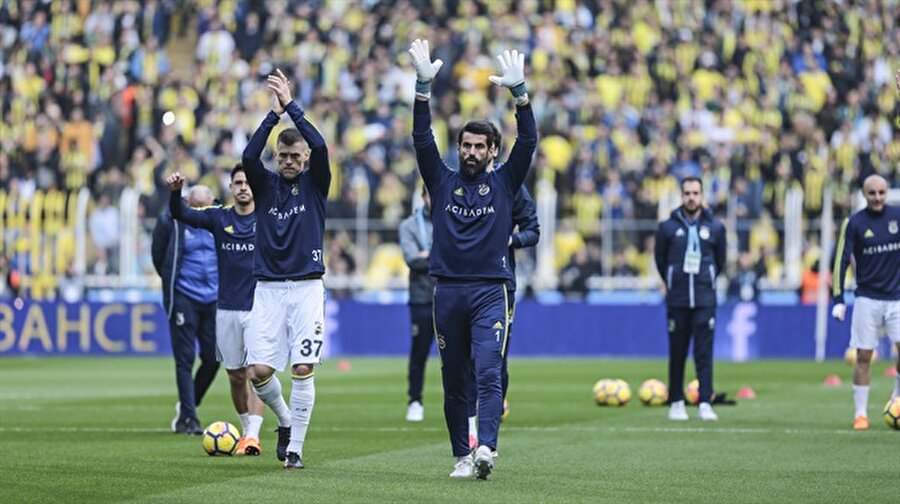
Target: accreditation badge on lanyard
<point x="692" y="252"/>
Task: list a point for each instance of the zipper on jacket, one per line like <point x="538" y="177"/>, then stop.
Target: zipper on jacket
<point x="691" y="288"/>
<point x="174" y="272"/>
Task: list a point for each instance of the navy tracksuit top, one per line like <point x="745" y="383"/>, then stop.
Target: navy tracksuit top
<point x="290" y="214"/>
<point x="235" y="237"/>
<point x="874" y="241"/>
<point x="472" y="216"/>
<point x="690" y="290"/>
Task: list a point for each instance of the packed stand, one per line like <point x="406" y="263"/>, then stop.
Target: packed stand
<point x="755" y="97"/>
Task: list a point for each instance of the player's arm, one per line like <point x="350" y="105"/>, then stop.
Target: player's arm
<point x="257" y="174"/>
<point x="661" y="251"/>
<point x="412" y="252"/>
<point x="841" y="262"/>
<point x="182" y="212"/>
<point x="720" y="249"/>
<point x="319" y="168"/>
<point x="160" y="241"/>
<point x="525" y="217"/>
<point x="427" y="155"/>
<point x="512" y="63"/>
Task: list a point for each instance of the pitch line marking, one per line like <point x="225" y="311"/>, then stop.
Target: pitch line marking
<point x="677" y="430"/>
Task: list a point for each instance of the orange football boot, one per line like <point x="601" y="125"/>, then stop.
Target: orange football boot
<point x="248" y="446"/>
<point x="861" y="423"/>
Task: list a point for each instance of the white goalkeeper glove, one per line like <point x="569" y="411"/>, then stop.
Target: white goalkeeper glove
<point x="425" y="68"/>
<point x="512" y="64"/>
<point x="839" y="311"/>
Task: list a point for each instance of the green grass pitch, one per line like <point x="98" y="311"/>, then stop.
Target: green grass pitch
<point x="97" y="430"/>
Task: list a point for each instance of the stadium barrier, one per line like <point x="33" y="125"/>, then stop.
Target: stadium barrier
<point x="744" y="331"/>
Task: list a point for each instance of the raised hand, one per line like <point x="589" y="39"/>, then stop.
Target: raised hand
<point x="175" y="181"/>
<point x="276" y="104"/>
<point x="281" y="88"/>
<point x="421" y="56"/>
<point x="512" y="64"/>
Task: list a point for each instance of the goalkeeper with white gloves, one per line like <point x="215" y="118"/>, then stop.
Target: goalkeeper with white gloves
<point x="472" y="218"/>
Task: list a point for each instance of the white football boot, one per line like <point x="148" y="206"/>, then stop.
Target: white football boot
<point x="463" y="468"/>
<point x="177" y="415"/>
<point x="677" y="411"/>
<point x="706" y="412"/>
<point x="484" y="462"/>
<point x="415" y="412"/>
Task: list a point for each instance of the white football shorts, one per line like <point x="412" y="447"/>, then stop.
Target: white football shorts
<point x="232" y="333"/>
<point x="869" y="315"/>
<point x="288" y="323"/>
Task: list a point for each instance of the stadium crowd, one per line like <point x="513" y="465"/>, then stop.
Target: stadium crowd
<point x="756" y="97"/>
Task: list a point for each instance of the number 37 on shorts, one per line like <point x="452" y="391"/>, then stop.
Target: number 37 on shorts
<point x="307" y="348"/>
<point x="311" y="347"/>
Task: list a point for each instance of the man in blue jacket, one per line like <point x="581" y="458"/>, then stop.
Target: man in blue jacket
<point x="690" y="253"/>
<point x="185" y="259"/>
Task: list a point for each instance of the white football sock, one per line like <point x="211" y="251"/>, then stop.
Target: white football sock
<point x="254" y="422"/>
<point x="473" y="427"/>
<point x="861" y="399"/>
<point x="270" y="393"/>
<point x="896" y="386"/>
<point x="303" y="398"/>
<point x="243" y="418"/>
